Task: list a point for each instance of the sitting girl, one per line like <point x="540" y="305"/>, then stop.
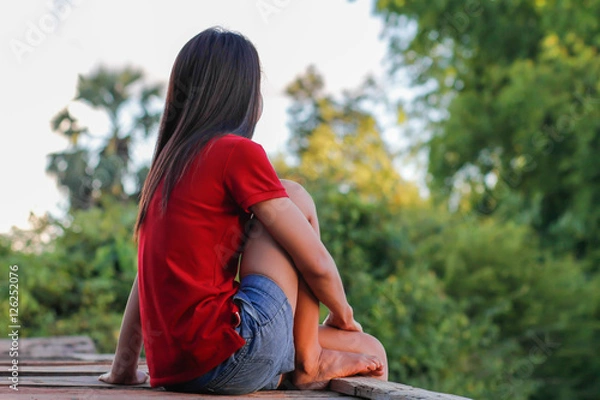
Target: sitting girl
<point x="212" y="209"/>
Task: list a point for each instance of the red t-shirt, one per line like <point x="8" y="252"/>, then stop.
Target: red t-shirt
<point x="188" y="256"/>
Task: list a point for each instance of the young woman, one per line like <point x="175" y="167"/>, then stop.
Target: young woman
<point x="212" y="208"/>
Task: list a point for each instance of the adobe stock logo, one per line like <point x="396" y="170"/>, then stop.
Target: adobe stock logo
<point x="37" y="31"/>
<point x="267" y="8"/>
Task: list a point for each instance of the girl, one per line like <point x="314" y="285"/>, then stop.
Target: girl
<point x="211" y="195"/>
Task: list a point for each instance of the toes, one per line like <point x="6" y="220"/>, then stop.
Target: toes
<point x="375" y="363"/>
<point x="374" y="367"/>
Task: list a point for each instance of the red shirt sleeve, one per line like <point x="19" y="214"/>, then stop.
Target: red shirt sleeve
<point x="249" y="175"/>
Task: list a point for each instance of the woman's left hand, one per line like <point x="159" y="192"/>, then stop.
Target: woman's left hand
<point x="136" y="378"/>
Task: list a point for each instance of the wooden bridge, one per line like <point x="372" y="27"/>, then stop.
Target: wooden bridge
<point x="68" y="368"/>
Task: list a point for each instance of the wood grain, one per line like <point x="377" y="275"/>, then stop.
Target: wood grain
<point x="374" y="389"/>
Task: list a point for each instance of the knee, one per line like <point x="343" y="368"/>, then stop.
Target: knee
<point x="380" y="349"/>
<point x="300" y="196"/>
<point x="371" y="345"/>
<point x="294" y="189"/>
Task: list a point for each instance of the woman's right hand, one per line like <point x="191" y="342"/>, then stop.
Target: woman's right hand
<point x="350" y="324"/>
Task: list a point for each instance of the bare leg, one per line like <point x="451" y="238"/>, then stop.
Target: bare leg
<point x="318" y="359"/>
<point x="355" y="342"/>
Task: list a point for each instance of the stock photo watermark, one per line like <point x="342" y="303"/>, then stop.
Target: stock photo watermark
<point x="461" y="20"/>
<point x="37" y="30"/>
<point x="13" y="326"/>
<point x="544" y="142"/>
<point x="539" y="352"/>
<point x="268" y="8"/>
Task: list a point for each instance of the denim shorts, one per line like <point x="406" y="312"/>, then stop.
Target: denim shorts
<point x="267" y="326"/>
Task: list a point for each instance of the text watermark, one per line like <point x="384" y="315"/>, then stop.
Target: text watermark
<point x="13" y="325"/>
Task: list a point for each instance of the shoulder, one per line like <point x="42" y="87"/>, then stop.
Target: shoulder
<point x="233" y="146"/>
<point x="241" y="147"/>
<point x="236" y="141"/>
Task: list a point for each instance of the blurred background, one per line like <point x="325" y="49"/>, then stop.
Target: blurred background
<point x="451" y="148"/>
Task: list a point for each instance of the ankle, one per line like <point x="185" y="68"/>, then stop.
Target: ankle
<point x="308" y="364"/>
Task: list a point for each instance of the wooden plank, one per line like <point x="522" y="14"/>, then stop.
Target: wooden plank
<point x="92" y="357"/>
<point x="49" y="347"/>
<point x="79" y="379"/>
<point x="99" y="394"/>
<point x="89" y="388"/>
<point x="66" y="381"/>
<point x="374" y="389"/>
<point x="63" y="370"/>
<point x="31" y="362"/>
<point x="83" y="393"/>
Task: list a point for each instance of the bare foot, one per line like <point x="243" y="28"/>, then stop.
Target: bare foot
<point x="335" y="364"/>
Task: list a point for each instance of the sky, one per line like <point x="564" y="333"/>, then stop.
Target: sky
<point x="45" y="44"/>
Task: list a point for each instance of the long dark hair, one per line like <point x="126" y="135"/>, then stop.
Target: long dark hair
<point x="214" y="89"/>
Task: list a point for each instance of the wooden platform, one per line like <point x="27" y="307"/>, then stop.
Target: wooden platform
<point x="68" y="379"/>
<point x="68" y="368"/>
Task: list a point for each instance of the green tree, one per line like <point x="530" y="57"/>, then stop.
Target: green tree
<point x="340" y="142"/>
<point x="344" y="162"/>
<point x="510" y="94"/>
<point x="76" y="271"/>
<point x="75" y="275"/>
<point x="87" y="171"/>
<point x="346" y="165"/>
<point x="463" y="304"/>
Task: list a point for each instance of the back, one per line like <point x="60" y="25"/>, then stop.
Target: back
<point x="188" y="258"/>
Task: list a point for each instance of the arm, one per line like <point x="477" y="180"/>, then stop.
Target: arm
<point x="289" y="226"/>
<point x="124" y="368"/>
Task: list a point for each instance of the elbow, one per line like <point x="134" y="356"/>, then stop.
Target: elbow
<point x="320" y="267"/>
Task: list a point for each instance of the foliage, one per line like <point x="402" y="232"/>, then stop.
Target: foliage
<point x="86" y="173"/>
<point x="518" y="85"/>
<point x="338" y="142"/>
<point x="78" y="282"/>
<point x="487" y="290"/>
<point x="510" y="94"/>
<point x="76" y="272"/>
<point x="463" y="303"/>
